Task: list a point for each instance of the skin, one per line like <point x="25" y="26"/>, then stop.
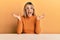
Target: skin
<point x="29" y="10"/>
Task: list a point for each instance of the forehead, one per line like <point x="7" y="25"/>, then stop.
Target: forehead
<point x="28" y="5"/>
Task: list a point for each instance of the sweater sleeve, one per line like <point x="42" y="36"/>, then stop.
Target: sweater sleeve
<point x="20" y="27"/>
<point x="37" y="30"/>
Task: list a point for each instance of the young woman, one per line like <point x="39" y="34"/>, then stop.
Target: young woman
<point x="29" y="23"/>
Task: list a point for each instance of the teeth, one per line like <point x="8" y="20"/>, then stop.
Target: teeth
<point x="29" y="12"/>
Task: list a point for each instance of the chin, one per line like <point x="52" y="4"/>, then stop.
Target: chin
<point x="29" y="15"/>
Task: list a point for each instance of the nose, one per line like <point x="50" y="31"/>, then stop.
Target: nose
<point x="29" y="10"/>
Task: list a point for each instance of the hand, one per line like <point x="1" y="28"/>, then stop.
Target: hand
<point x="43" y="15"/>
<point x="40" y="17"/>
<point x="18" y="17"/>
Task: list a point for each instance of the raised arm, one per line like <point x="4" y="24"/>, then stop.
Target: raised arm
<point x="20" y="24"/>
<point x="37" y="23"/>
<point x="38" y="29"/>
<point x="20" y="27"/>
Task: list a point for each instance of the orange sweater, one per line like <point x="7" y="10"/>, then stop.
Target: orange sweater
<point x="28" y="25"/>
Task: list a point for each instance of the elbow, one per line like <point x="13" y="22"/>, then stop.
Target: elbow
<point x="19" y="32"/>
<point x="37" y="32"/>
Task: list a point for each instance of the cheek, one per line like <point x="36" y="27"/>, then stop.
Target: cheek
<point x="27" y="11"/>
<point x="32" y="11"/>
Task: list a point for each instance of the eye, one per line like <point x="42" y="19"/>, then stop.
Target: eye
<point x="27" y="8"/>
<point x="31" y="8"/>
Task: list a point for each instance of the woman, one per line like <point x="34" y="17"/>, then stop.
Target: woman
<point x="29" y="23"/>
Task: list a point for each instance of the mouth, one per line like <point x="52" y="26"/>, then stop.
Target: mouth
<point x="29" y="12"/>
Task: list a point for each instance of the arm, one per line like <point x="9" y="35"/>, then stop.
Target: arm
<point x="20" y="27"/>
<point x="37" y="30"/>
<point x="20" y="24"/>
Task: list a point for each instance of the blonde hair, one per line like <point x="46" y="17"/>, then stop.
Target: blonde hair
<point x="25" y="14"/>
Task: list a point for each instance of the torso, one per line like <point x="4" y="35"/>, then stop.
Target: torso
<point x="29" y="24"/>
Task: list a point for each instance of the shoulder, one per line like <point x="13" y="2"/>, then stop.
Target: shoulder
<point x="22" y="17"/>
<point x="37" y="18"/>
<point x="34" y="16"/>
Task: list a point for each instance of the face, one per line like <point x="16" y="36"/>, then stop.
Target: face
<point x="29" y="10"/>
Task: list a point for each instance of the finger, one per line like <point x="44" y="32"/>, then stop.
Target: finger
<point x="15" y="15"/>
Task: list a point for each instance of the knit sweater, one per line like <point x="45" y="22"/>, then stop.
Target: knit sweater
<point x="29" y="25"/>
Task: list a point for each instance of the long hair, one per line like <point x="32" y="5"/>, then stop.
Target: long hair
<point x="25" y="13"/>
